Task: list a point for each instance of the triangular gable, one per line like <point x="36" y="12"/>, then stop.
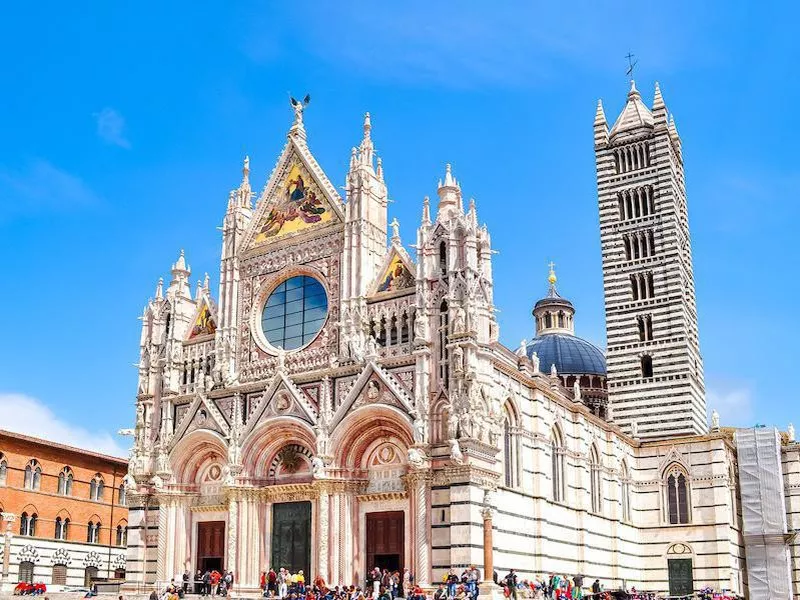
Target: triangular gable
<point x="192" y="420"/>
<point x="204" y="323"/>
<point x="297" y="197"/>
<point x="281" y="398"/>
<point x="673" y="456"/>
<point x="359" y="394"/>
<point x="396" y="273"/>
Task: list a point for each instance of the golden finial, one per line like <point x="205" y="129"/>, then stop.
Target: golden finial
<point x="552" y="277"/>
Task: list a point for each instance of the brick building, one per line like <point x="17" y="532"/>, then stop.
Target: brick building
<point x="64" y="516"/>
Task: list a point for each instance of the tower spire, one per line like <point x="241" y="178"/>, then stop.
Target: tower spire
<point x="449" y="194"/>
<point x="367" y="149"/>
<point x="659" y="108"/>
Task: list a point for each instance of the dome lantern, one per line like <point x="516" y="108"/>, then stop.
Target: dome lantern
<point x="554" y="314"/>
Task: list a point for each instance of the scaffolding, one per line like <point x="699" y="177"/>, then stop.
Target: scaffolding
<point x="764" y="526"/>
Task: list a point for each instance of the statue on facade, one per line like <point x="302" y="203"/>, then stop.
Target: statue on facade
<point x="535" y="361"/>
<point x="209" y="382"/>
<point x="280" y="364"/>
<point x="459" y="320"/>
<point x="458" y="359"/>
<point x="158" y="483"/>
<point x="420" y="326"/>
<point x="523" y="348"/>
<point x="455" y="452"/>
<point x="576" y="391"/>
<point x="419" y="429"/>
<point x="452" y="422"/>
<point x="790" y="432"/>
<point x="373" y="391"/>
<point x="634" y="430"/>
<point x="372" y="348"/>
<point x="322" y="441"/>
<point x="415" y="458"/>
<point x="317" y="468"/>
<point x="139" y="415"/>
<point x="714" y="420"/>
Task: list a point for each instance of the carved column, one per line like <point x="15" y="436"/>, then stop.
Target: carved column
<point x="161" y="565"/>
<point x="8" y="518"/>
<point x="233" y="538"/>
<point x="322" y="534"/>
<point x="418" y="487"/>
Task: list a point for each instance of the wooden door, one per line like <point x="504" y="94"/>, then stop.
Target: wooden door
<point x="386" y="540"/>
<point x="681" y="581"/>
<point x="291" y="537"/>
<point x="211" y="545"/>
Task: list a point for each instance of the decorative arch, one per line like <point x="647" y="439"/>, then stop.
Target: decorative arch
<point x="61" y="557"/>
<point x="92" y="559"/>
<point x="266" y="440"/>
<point x="65" y="479"/>
<point x="33" y="475"/>
<point x="625" y="491"/>
<point x="355" y="436"/>
<point x="439" y="416"/>
<point x="557" y="452"/>
<point x="595" y="479"/>
<point x="511" y="453"/>
<point x="677" y="494"/>
<point x="291" y="460"/>
<point x="193" y="455"/>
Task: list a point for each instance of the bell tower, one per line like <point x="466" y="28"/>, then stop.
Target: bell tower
<point x="655" y="371"/>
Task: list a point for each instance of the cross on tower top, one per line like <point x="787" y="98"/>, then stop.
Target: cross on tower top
<point x="631" y="64"/>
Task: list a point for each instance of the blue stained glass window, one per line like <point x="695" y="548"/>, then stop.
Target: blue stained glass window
<point x="294" y="312"/>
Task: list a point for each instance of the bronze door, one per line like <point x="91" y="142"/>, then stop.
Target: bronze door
<point x="386" y="540"/>
<point x="211" y="545"/>
<point x="291" y="537"/>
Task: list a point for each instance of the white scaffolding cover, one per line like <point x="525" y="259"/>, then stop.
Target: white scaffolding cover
<point x="763" y="513"/>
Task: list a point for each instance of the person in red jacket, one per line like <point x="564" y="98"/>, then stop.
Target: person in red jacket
<point x="215" y="577"/>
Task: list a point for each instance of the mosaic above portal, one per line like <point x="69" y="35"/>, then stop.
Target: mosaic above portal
<point x="396" y="277"/>
<point x="204" y="324"/>
<point x="297" y="204"/>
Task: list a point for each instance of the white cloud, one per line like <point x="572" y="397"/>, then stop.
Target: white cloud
<point x="40" y="186"/>
<point x="734" y="405"/>
<point x="30" y="416"/>
<point x="111" y="127"/>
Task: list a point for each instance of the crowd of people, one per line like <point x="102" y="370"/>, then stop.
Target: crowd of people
<point x="383" y="584"/>
<point x="24" y="588"/>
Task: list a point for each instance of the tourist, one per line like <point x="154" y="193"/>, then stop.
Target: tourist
<point x="452" y="582"/>
<point x="511" y="582"/>
<point x="596" y="586"/>
<point x="283" y="582"/>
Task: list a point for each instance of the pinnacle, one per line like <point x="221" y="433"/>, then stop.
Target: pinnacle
<point x="658" y="100"/>
<point x="599" y="115"/>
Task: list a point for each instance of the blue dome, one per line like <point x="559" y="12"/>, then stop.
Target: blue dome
<point x="571" y="355"/>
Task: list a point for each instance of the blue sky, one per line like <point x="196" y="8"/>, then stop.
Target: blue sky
<point x="123" y="126"/>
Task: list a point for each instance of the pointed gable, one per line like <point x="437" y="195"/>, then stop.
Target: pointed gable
<point x="634" y="116"/>
<point x="204" y="323"/>
<point x="373" y="386"/>
<point x="297" y="198"/>
<point x="396" y="273"/>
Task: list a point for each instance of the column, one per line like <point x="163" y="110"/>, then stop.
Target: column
<point x="161" y="565"/>
<point x="233" y="537"/>
<point x="8" y="519"/>
<point x="322" y="534"/>
<point x="421" y="541"/>
<point x="487" y="589"/>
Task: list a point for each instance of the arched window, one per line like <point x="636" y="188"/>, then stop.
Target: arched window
<point x="443" y="258"/>
<point x="677" y="496"/>
<point x="65" y="479"/>
<point x="557" y="466"/>
<point x="93" y="532"/>
<point x="3" y="469"/>
<point x="89" y="575"/>
<point x="27" y="524"/>
<point x="62" y="528"/>
<point x="33" y="475"/>
<point x="122" y="535"/>
<point x="96" y="488"/>
<point x="510" y="454"/>
<point x="625" y="492"/>
<point x="595" y="482"/>
<point x="123" y="496"/>
<point x="647" y="366"/>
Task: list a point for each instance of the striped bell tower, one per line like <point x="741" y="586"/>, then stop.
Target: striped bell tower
<point x="655" y="371"/>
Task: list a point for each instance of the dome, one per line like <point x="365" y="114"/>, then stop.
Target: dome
<point x="570" y="354"/>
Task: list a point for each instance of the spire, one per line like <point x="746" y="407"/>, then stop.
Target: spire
<point x="396" y="241"/>
<point x="160" y="288"/>
<point x="659" y="108"/>
<point x="179" y="267"/>
<point x="246" y="171"/>
<point x="600" y="115"/>
<point x="551" y="278"/>
<point x="198" y="291"/>
<point x="244" y="192"/>
<point x="472" y="213"/>
<point x="380" y="169"/>
<point x="635" y="115"/>
<point x="426" y="211"/>
<point x="206" y="282"/>
<point x="449" y="193"/>
<point x="366" y="148"/>
<point x="353" y="158"/>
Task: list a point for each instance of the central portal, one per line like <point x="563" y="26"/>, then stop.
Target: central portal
<point x="291" y="537"/>
<point x="211" y="545"/>
<point x="386" y="540"/>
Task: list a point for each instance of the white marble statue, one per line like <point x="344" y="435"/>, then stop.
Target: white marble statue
<point x="714" y="420"/>
<point x="790" y="432"/>
<point x="318" y="467"/>
<point x="455" y="453"/>
<point x="415" y="458"/>
<point x="535" y="361"/>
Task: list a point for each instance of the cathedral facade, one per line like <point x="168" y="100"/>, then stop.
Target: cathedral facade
<point x="342" y="404"/>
